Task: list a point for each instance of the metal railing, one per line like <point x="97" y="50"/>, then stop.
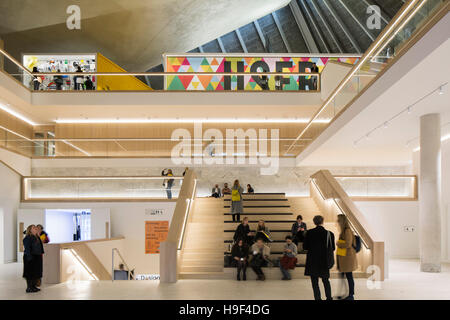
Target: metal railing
<point x="124" y="263"/>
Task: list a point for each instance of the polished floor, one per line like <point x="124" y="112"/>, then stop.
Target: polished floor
<point x="405" y="282"/>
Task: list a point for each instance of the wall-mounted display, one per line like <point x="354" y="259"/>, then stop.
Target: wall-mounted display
<point x="217" y="63"/>
<point x="155" y="233"/>
<point x="60" y="63"/>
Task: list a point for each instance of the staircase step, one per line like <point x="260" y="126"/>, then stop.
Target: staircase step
<point x="201" y="268"/>
<point x="275" y="206"/>
<point x="245" y="200"/>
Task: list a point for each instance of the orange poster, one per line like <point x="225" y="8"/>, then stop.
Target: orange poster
<point x="155" y="233"/>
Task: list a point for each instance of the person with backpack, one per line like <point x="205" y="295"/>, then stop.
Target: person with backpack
<point x="346" y="253"/>
<point x="237" y="207"/>
<point x="168" y="183"/>
<point x="319" y="243"/>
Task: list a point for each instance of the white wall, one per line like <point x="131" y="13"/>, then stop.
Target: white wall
<point x="128" y="220"/>
<point x="2" y="242"/>
<point x="388" y="219"/>
<point x="99" y="218"/>
<point x="9" y="202"/>
<point x="59" y="224"/>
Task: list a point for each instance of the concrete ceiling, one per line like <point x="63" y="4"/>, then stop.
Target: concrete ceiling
<point x="132" y="33"/>
<point x="393" y="145"/>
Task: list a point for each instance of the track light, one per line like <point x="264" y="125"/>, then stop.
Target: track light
<point x="409" y="110"/>
<point x="386" y="124"/>
<point x="441" y="90"/>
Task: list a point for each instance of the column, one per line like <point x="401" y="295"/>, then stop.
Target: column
<point x="430" y="193"/>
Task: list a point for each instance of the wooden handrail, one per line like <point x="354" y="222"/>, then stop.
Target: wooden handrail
<point x="330" y="190"/>
<point x="182" y="208"/>
<point x="171" y="248"/>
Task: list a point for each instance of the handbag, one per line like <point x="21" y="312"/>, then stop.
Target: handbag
<point x="330" y="253"/>
<point x="341" y="251"/>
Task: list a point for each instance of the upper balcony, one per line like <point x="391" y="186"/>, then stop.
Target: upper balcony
<point x="256" y="91"/>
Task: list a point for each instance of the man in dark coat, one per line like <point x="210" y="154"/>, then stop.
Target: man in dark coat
<point x="320" y="245"/>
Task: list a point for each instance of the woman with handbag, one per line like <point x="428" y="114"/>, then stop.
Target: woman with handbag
<point x="32" y="258"/>
<point x="237" y="206"/>
<point x="346" y="254"/>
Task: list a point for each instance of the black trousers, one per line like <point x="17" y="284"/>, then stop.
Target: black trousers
<point x="258" y="271"/>
<point x="351" y="282"/>
<point x="316" y="289"/>
<point x="237" y="217"/>
<point x="242" y="266"/>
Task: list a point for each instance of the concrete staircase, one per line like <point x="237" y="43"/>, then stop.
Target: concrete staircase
<point x="211" y="231"/>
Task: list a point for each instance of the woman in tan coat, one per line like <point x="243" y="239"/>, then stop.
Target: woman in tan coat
<point x="347" y="263"/>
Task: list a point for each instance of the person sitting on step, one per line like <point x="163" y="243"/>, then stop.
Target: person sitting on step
<point x="298" y="230"/>
<point x="243" y="232"/>
<point x="289" y="260"/>
<point x="239" y="252"/>
<point x="259" y="258"/>
<point x="263" y="232"/>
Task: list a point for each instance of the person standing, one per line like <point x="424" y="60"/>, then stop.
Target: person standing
<point x="88" y="84"/>
<point x="278" y="85"/>
<point x="289" y="260"/>
<point x="168" y="182"/>
<point x="298" y="230"/>
<point x="239" y="252"/>
<point x="58" y="81"/>
<point x="32" y="258"/>
<point x="314" y="69"/>
<point x="250" y="189"/>
<point x="346" y="254"/>
<point x="36" y="80"/>
<point x="42" y="234"/>
<point x="237" y="207"/>
<point x="78" y="80"/>
<point x="319" y="243"/>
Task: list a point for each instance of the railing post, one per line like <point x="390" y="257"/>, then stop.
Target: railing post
<point x="112" y="266"/>
<point x="168" y="262"/>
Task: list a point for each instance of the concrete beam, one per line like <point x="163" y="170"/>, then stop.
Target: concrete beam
<point x="241" y="40"/>
<point x="280" y="30"/>
<point x="303" y="27"/>
<point x="222" y="47"/>
<point x="344" y="28"/>
<point x="327" y="26"/>
<point x="357" y="21"/>
<point x="318" y="31"/>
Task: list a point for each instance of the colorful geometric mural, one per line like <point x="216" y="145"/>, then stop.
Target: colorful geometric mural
<point x="242" y="64"/>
